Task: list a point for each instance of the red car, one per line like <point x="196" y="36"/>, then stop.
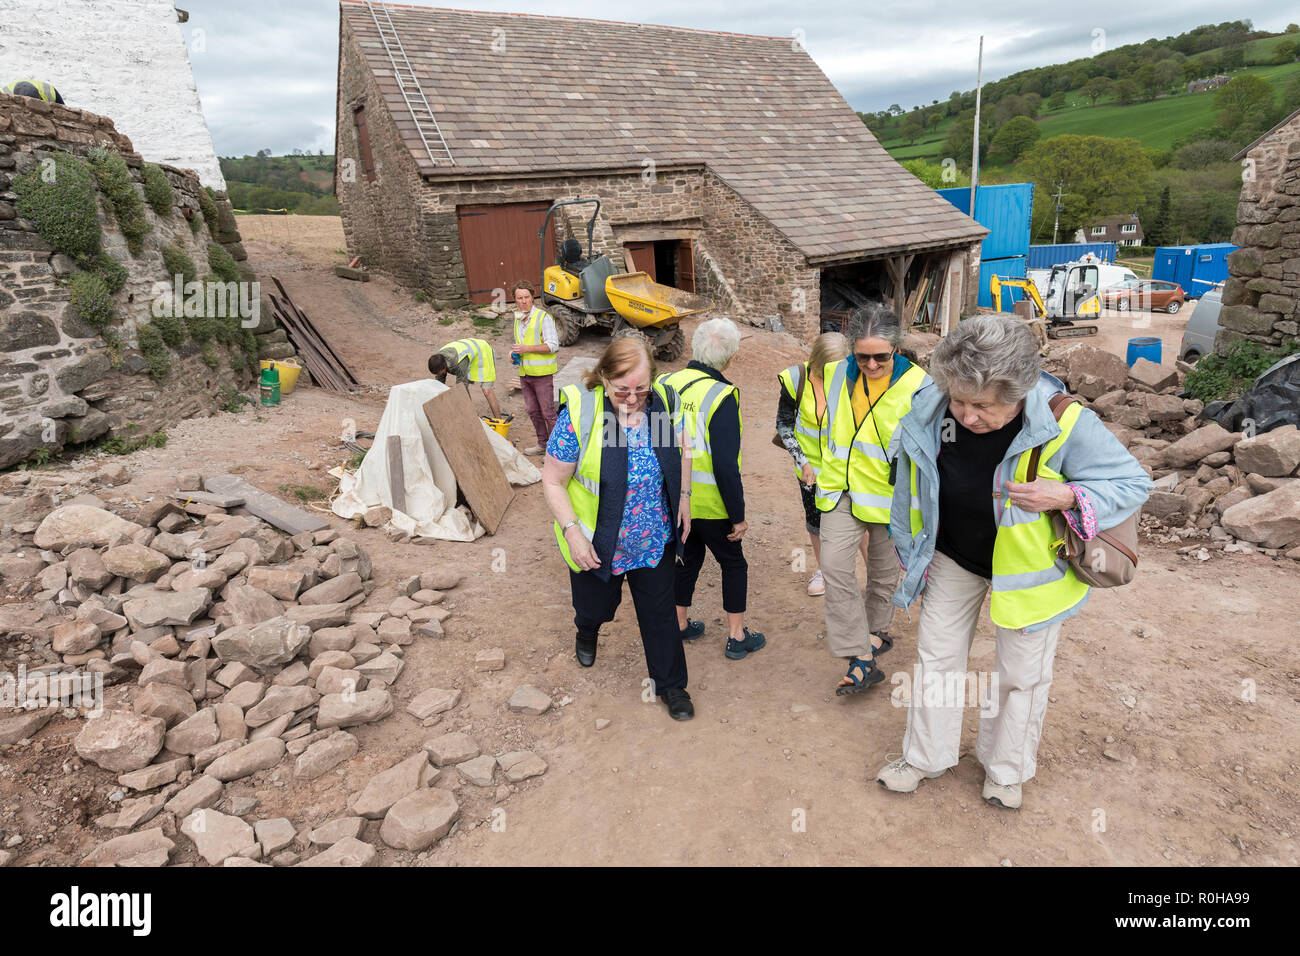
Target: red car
<point x="1146" y="295"/>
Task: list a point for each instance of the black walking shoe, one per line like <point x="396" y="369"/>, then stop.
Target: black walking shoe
<point x="679" y="703"/>
<point x="585" y="649"/>
<point x="692" y="630"/>
<point x="738" y="649"/>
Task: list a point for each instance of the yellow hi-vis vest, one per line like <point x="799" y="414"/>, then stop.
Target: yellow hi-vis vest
<point x="586" y="414"/>
<point x="807" y="426"/>
<point x="854" y="458"/>
<point x="44" y="91"/>
<point x="529" y="332"/>
<point x="482" y="364"/>
<point x="700" y="395"/>
<point x="1030" y="583"/>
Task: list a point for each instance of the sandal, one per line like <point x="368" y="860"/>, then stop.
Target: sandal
<point x="886" y="642"/>
<point x="871" y="674"/>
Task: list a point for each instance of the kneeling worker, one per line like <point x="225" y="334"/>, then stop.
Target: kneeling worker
<point x="470" y="360"/>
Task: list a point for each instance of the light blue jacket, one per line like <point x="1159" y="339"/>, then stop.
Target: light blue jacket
<point x="1092" y="458"/>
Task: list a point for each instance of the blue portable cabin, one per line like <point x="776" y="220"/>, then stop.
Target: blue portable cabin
<point x="1046" y="256"/>
<point x="1005" y="209"/>
<point x="1196" y="268"/>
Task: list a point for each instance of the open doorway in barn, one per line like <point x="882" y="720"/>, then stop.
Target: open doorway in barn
<point x="667" y="261"/>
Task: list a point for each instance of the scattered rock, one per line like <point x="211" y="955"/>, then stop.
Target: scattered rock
<point x="1271" y="520"/>
<point x="1153" y="376"/>
<point x="420" y="819"/>
<point x="346" y="852"/>
<point x="265" y="645"/>
<point x="451" y="749"/>
<point x="386" y="788"/>
<point x="274" y="834"/>
<point x="491" y="659"/>
<point x="203" y="792"/>
<point x="528" y="699"/>
<point x="478" y="771"/>
<point x="149" y="848"/>
<point x="1274" y="454"/>
<point x="521" y="764"/>
<point x="217" y="835"/>
<point x="363" y="707"/>
<point x="248" y="759"/>
<point x="324" y="755"/>
<point x="435" y="700"/>
<point x="82" y="526"/>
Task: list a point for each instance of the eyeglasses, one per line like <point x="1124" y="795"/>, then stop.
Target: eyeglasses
<point x="880" y="358"/>
<point x="630" y="392"/>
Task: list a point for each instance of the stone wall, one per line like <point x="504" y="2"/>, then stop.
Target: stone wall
<point x="60" y="383"/>
<point x="1261" y="299"/>
<point x="118" y="58"/>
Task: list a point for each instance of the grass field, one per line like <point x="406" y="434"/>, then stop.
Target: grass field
<point x="1155" y="124"/>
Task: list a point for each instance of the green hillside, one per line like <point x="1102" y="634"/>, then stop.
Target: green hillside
<point x="1118" y="130"/>
<point x="301" y="183"/>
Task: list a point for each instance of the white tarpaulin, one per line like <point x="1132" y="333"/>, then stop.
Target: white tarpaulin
<point x="431" y="510"/>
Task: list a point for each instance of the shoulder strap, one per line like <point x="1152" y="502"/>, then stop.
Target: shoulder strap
<point x="798" y="395"/>
<point x="1058" y="403"/>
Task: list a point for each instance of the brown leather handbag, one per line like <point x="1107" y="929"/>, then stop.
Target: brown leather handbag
<point x="1110" y="559"/>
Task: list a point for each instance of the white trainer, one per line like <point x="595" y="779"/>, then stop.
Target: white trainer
<point x="901" y="777"/>
<point x="1006" y="796"/>
<point x="816" y="584"/>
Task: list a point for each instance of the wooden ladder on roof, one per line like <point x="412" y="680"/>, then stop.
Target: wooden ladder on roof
<point x="426" y="124"/>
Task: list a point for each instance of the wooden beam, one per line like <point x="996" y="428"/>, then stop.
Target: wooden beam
<point x="396" y="474"/>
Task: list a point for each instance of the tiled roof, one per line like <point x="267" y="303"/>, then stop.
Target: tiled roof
<point x="570" y="95"/>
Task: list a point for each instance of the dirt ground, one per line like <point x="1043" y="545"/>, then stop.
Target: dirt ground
<point x="1150" y="755"/>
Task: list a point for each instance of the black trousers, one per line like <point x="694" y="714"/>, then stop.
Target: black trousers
<point x="712" y="533"/>
<point x="595" y="602"/>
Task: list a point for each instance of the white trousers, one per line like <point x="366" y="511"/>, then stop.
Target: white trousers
<point x="1012" y="699"/>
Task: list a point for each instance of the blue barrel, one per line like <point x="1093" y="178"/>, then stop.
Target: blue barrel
<point x="1145" y="347"/>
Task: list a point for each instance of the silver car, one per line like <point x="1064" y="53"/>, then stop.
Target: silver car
<point x="1198" y="337"/>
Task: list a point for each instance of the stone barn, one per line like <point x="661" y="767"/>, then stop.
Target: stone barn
<point x="725" y="164"/>
<point x="1261" y="299"/>
<point x="128" y="59"/>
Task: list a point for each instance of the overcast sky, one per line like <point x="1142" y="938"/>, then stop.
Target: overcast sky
<point x="266" y="69"/>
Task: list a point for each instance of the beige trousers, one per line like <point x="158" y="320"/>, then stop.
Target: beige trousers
<point x="851" y="617"/>
<point x="1012" y="700"/>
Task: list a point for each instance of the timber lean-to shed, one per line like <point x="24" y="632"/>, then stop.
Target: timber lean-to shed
<point x="725" y="163"/>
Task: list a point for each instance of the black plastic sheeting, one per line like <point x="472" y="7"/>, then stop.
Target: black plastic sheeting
<point x="1273" y="401"/>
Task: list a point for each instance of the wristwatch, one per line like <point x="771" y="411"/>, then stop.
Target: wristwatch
<point x="566" y="527"/>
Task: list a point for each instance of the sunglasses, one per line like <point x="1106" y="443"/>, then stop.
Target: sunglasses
<point x="880" y="358"/>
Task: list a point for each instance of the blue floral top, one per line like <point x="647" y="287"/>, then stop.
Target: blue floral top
<point x="646" y="528"/>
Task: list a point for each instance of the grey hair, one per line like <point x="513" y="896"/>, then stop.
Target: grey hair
<point x="716" y="342"/>
<point x="875" y="320"/>
<point x="987" y="352"/>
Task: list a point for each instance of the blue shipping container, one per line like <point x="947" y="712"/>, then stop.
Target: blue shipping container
<point x="1013" y="267"/>
<point x="1005" y="210"/>
<point x="1196" y="268"/>
<point x="1046" y="256"/>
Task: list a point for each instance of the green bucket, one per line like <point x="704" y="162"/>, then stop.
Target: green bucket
<point x="269" y="385"/>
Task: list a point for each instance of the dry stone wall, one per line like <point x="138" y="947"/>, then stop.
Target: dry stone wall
<point x="1261" y="299"/>
<point x="61" y="381"/>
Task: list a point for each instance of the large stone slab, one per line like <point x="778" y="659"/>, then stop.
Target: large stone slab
<point x="1270" y="521"/>
<point x="420" y="819"/>
<point x="1274" y="454"/>
<point x="247" y="760"/>
<point x="167" y="608"/>
<point x="262" y="646"/>
<point x="350" y="710"/>
<point x="81" y="526"/>
<point x="386" y="788"/>
<point x="217" y="835"/>
<point x="119" y="740"/>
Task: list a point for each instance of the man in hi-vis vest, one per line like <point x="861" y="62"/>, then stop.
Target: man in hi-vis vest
<point x="534" y="351"/>
<point x="470" y="360"/>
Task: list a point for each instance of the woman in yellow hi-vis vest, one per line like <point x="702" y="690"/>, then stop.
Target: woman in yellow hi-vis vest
<point x="800" y="411"/>
<point x="866" y="394"/>
<point x="534" y="352"/>
<point x="964" y="452"/>
<point x="617" y="480"/>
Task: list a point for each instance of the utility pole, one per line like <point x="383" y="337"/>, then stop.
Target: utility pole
<point x="1056" y="223"/>
<point x="975" y="147"/>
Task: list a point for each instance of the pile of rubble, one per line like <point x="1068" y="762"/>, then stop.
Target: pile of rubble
<point x="236" y="650"/>
<point x="1222" y="490"/>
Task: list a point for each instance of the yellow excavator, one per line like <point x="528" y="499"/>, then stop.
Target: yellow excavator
<point x="1072" y="296"/>
<point x="581" y="291"/>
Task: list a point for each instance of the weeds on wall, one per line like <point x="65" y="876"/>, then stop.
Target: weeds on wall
<point x="158" y="191"/>
<point x="115" y="182"/>
<point x="1226" y="376"/>
<point x="58" y="196"/>
<point x="92" y="300"/>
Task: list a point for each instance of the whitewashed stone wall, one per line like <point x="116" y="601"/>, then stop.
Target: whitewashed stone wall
<point x="127" y="59"/>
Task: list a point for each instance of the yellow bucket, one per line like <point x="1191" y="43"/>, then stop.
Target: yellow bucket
<point x="498" y="425"/>
<point x="288" y="373"/>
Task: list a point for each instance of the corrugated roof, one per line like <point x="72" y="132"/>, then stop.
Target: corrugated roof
<point x="570" y="95"/>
